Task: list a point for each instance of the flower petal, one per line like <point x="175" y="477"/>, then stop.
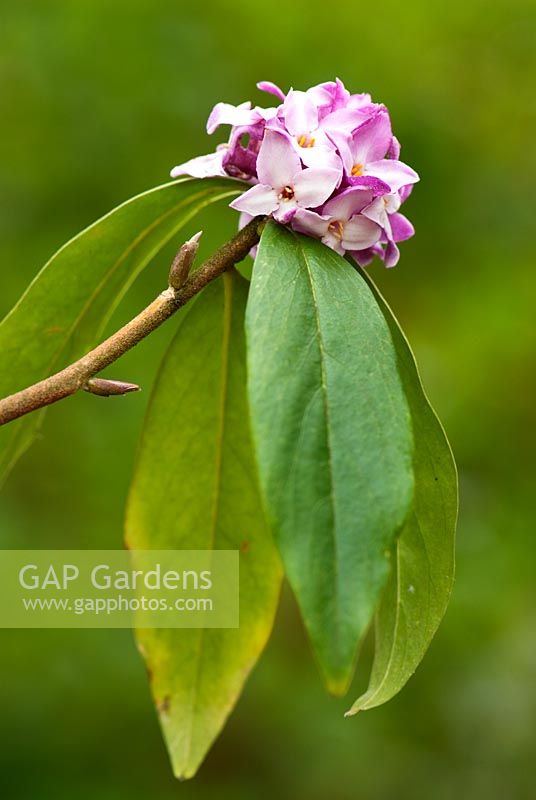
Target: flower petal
<point x="243" y="220"/>
<point x="343" y="143"/>
<point x="311" y="223"/>
<point x="372" y="139"/>
<point x="209" y="166"/>
<point x="392" y="202"/>
<point x="405" y="192"/>
<point x="226" y="114"/>
<point x="361" y="100"/>
<point x="322" y="94"/>
<point x="300" y="113"/>
<point x="266" y="114"/>
<point x="364" y="257"/>
<point x="391" y="255"/>
<point x="376" y="186"/>
<point x="341" y="95"/>
<point x="401" y="227"/>
<point x="344" y="120"/>
<point x="240" y="159"/>
<point x="328" y="96"/>
<point x="285" y="211"/>
<point x="312" y="187"/>
<point x="395" y="173"/>
<point x="394" y="149"/>
<point x="348" y="203"/>
<point x="271" y="88"/>
<point x="277" y="162"/>
<point x="320" y="157"/>
<point x="258" y="200"/>
<point x="360" y="233"/>
<point x="377" y="212"/>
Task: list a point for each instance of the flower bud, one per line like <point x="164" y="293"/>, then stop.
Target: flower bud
<point x="106" y="388"/>
<point x="182" y="263"/>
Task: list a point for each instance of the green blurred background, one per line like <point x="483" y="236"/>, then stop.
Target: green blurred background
<point x="98" y="99"/>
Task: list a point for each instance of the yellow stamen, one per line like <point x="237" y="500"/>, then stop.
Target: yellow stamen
<point x="357" y="170"/>
<point x="306" y="141"/>
<point x="336" y="228"/>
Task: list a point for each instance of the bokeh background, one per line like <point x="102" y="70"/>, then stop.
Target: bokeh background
<point x="98" y="99"/>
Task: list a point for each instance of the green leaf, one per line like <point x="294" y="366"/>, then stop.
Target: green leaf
<point x="195" y="487"/>
<point x="67" y="305"/>
<point x="333" y="437"/>
<point x="419" y="587"/>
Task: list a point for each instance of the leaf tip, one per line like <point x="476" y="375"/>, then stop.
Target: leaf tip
<point x="184" y="775"/>
<point x="363" y="703"/>
<point x="184" y="766"/>
<point x="337" y="685"/>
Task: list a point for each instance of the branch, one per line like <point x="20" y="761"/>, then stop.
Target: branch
<point x="181" y="289"/>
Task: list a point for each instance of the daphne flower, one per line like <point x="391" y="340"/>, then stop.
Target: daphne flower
<point x="234" y="159"/>
<point x="381" y="210"/>
<point x="241" y="153"/>
<point x="364" y="154"/>
<point x="340" y="225"/>
<point x="284" y="186"/>
<point x="324" y="161"/>
<point x="329" y="96"/>
<point x="310" y="132"/>
<point x="395" y="228"/>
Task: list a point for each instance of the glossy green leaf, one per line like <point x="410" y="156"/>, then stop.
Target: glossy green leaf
<point x="419" y="587"/>
<point x="195" y="487"/>
<point x="333" y="437"/>
<point x="65" y="308"/>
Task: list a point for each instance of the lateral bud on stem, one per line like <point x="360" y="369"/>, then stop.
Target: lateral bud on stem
<point x="182" y="263"/>
<point x="106" y="388"/>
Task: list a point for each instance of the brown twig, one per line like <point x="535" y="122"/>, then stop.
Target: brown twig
<point x="181" y="289"/>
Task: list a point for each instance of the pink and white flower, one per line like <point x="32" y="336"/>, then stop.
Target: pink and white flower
<point x="311" y="132"/>
<point x="284" y="184"/>
<point x="323" y="161"/>
<point x="341" y="225"/>
<point x="364" y="154"/>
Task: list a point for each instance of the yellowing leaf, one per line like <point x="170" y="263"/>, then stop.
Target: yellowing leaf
<point x="195" y="487"/>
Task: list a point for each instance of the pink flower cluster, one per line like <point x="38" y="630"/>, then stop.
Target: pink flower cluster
<point x="323" y="161"/>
